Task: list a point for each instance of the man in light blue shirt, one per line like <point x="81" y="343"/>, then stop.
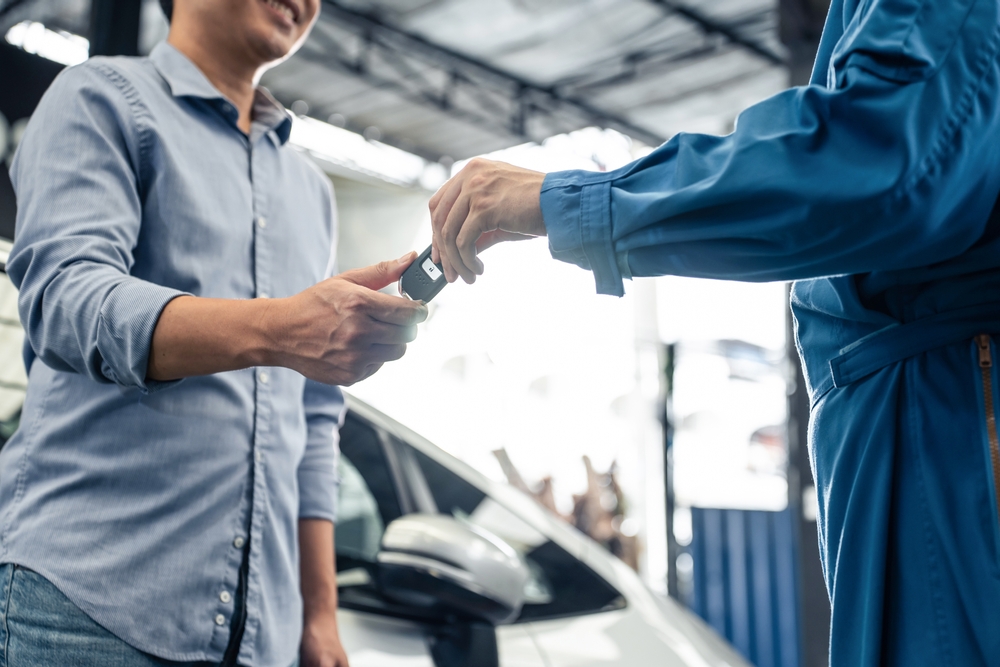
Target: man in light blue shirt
<point x="170" y="494"/>
<point x="877" y="187"/>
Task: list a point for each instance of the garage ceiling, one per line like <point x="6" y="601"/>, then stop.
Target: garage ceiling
<point x="462" y="77"/>
<point x="448" y="79"/>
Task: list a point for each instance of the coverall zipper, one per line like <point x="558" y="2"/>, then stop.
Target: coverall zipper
<point x="986" y="368"/>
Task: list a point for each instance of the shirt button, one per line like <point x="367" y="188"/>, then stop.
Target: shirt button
<point x="264" y="377"/>
<point x="263" y="295"/>
<point x="225" y="596"/>
<point x="238" y="542"/>
<point x="220" y="619"/>
<point x="262" y="222"/>
<point x="257" y="455"/>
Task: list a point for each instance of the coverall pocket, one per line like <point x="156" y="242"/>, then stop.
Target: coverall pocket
<point x="901" y="40"/>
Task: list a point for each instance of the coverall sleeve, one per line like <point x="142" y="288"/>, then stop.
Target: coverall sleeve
<point x="78" y="220"/>
<point x="890" y="165"/>
<point x="319" y="480"/>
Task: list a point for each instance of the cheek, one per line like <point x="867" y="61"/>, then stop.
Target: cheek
<point x="311" y="11"/>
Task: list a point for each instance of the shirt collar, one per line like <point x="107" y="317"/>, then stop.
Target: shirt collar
<point x="186" y="80"/>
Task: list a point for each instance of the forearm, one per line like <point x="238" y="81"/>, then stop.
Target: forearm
<point x="317" y="569"/>
<point x="198" y="336"/>
<point x="335" y="332"/>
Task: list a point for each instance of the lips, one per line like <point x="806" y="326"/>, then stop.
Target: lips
<point x="287" y="8"/>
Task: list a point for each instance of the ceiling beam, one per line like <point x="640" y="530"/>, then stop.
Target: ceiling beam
<point x="473" y="89"/>
<point x="714" y="26"/>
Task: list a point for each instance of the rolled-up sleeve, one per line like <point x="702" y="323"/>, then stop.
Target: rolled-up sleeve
<point x="79" y="217"/>
<point x="891" y="164"/>
<point x="319" y="482"/>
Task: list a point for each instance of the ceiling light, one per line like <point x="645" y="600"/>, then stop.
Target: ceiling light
<point x="59" y="46"/>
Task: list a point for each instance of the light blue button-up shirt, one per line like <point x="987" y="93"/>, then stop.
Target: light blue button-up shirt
<point x="135" y="186"/>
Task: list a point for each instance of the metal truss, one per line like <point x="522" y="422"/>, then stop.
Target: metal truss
<point x="389" y="58"/>
<point x="732" y="33"/>
<point x="711" y="39"/>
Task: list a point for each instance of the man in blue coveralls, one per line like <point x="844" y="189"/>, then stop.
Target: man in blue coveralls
<point x="876" y="188"/>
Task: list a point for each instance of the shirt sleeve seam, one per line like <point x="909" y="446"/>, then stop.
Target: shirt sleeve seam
<point x="141" y="116"/>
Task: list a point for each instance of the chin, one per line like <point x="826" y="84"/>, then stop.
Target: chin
<point x="273" y="48"/>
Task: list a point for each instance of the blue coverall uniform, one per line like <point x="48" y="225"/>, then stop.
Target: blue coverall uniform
<point x="876" y="187"/>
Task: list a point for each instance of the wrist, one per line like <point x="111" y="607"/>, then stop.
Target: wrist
<point x="264" y="342"/>
<point x="320" y="601"/>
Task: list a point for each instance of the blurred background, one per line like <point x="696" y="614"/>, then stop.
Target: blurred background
<point x="667" y="425"/>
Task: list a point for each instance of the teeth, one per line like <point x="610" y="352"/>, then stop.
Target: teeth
<point x="284" y="9"/>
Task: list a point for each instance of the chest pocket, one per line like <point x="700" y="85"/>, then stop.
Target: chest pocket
<point x="900" y="40"/>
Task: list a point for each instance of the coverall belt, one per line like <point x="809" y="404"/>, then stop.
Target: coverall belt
<point x="901" y="341"/>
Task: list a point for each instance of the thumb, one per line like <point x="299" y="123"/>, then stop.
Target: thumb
<point x="380" y="275"/>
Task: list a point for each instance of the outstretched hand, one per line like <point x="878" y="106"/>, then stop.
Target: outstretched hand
<point x="484" y="204"/>
<point x="342" y="330"/>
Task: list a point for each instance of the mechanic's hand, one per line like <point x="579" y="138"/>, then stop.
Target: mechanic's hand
<point x="485" y="203"/>
<point x="342" y="330"/>
<point x="321" y="645"/>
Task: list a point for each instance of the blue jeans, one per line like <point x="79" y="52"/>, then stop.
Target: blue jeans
<point x="39" y="626"/>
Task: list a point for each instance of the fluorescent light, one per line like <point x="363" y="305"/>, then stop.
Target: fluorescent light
<point x="61" y="47"/>
<point x="353" y="153"/>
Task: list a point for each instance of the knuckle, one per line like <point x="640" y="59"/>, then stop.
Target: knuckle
<point x="354" y="300"/>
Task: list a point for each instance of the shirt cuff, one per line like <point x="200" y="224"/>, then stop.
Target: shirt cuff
<point x="125" y="332"/>
<point x="576" y="208"/>
<point x="318" y="494"/>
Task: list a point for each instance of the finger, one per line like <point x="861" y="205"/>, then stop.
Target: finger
<point x="442" y="203"/>
<point x="390" y="334"/>
<point x="449" y="235"/>
<point x="370" y="370"/>
<point x="379" y="275"/>
<point x="490" y="239"/>
<point x="395" y="310"/>
<point x="384" y="353"/>
<point x="467" y="240"/>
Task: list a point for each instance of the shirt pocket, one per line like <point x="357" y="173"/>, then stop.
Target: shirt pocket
<point x="900" y="40"/>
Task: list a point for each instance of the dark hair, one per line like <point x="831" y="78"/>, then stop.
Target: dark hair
<point x="168" y="8"/>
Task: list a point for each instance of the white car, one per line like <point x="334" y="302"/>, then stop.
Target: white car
<point x="423" y="577"/>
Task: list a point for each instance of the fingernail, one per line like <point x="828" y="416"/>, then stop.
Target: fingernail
<point x="405" y="258"/>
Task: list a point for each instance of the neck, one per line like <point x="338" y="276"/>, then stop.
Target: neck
<point x="233" y="75"/>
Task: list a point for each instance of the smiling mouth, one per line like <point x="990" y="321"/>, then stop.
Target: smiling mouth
<point x="285" y="9"/>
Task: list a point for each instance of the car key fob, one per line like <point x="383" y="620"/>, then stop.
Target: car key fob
<point x="423" y="279"/>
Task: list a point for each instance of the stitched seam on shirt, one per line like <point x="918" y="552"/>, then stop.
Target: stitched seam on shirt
<point x="945" y="142"/>
<point x="6" y="612"/>
<point x="29" y="442"/>
<point x="140" y="112"/>
<point x="934" y="576"/>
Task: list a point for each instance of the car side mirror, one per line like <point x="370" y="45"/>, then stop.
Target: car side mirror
<point x="440" y="564"/>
